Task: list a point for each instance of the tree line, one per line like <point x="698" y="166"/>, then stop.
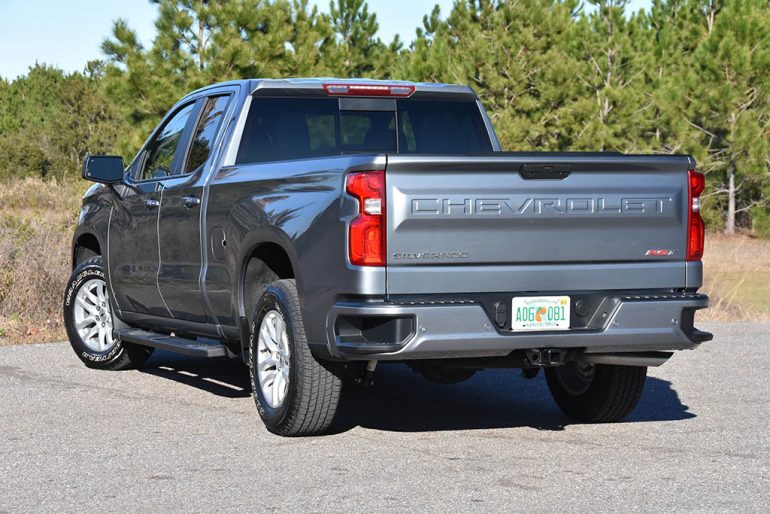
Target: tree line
<point x="685" y="76"/>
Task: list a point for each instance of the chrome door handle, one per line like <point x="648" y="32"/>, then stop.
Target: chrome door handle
<point x="191" y="201"/>
<point x="151" y="204"/>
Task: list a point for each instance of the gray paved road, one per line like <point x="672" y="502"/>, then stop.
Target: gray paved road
<point x="184" y="435"/>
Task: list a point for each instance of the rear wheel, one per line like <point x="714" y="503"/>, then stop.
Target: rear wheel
<point x="597" y="393"/>
<point x="88" y="321"/>
<point x="295" y="394"/>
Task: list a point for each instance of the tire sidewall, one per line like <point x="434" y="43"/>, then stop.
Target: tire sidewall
<point x="273" y="299"/>
<point x="604" y="395"/>
<point x="90" y="269"/>
<point x="588" y="402"/>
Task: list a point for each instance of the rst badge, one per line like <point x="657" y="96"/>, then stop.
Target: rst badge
<point x="659" y="253"/>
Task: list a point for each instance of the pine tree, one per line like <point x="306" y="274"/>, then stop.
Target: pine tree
<point x="612" y="112"/>
<point x="428" y="56"/>
<point x="678" y="28"/>
<point x="730" y="107"/>
<point x="359" y="52"/>
<point x="311" y="42"/>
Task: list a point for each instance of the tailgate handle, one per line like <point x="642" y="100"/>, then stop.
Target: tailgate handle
<point x="545" y="171"/>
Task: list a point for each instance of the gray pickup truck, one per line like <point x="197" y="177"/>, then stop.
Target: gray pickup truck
<point x="319" y="226"/>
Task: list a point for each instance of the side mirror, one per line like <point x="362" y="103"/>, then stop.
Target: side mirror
<point x="105" y="169"/>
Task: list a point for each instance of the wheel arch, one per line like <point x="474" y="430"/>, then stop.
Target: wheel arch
<point x="266" y="258"/>
<point x="85" y="246"/>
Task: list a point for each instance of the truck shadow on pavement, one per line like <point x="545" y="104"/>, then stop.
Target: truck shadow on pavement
<point x="403" y="401"/>
<point x="223" y="377"/>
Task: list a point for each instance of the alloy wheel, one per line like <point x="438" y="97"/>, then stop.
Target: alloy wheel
<point x="273" y="358"/>
<point x="93" y="319"/>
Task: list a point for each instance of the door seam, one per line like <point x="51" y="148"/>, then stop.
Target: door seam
<point x="160" y="261"/>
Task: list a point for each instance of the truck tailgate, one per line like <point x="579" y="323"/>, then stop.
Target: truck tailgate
<point x="536" y="222"/>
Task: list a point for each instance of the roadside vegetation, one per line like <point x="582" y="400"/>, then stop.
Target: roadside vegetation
<point x="689" y="76"/>
<point x="36" y="225"/>
<point x="737" y="278"/>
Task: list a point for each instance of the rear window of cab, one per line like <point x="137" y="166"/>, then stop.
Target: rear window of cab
<point x="278" y="129"/>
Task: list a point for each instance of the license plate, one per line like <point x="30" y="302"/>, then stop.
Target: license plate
<point x="531" y="313"/>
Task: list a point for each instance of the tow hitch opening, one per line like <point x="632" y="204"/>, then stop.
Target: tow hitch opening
<point x="545" y="357"/>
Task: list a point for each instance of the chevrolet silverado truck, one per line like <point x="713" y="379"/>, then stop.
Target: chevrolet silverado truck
<point x="316" y="227"/>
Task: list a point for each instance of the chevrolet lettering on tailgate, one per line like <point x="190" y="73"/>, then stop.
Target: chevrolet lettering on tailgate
<point x="606" y="205"/>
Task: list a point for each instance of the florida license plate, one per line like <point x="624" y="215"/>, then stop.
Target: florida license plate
<point x="540" y="313"/>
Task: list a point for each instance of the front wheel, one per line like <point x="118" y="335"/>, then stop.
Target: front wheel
<point x="596" y="393"/>
<point x="88" y="321"/>
<point x="295" y="394"/>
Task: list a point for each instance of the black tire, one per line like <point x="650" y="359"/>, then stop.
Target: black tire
<point x="118" y="357"/>
<point x="314" y="386"/>
<point x="596" y="394"/>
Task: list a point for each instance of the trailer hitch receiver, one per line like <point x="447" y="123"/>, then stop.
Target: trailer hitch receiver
<point x="545" y="357"/>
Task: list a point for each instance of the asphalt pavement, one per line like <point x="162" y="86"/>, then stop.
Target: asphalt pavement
<point x="183" y="434"/>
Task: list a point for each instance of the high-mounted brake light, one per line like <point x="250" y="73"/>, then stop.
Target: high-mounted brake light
<point x="696" y="229"/>
<point x="366" y="236"/>
<point x="398" y="90"/>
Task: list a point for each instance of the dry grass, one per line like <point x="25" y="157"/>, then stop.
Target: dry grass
<point x="737" y="278"/>
<point x="37" y="220"/>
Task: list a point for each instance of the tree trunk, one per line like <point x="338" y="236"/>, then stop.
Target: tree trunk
<point x="730" y="222"/>
<point x="200" y="42"/>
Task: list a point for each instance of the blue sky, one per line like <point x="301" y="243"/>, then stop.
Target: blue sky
<point x="67" y="34"/>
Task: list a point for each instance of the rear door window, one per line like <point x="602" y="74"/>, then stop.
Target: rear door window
<point x="208" y="124"/>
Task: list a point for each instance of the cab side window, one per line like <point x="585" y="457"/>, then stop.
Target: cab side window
<point x="161" y="151"/>
<point x="208" y="125"/>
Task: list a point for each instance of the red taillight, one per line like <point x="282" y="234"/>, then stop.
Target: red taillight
<point x="696" y="229"/>
<point x="366" y="237"/>
<point x="398" y="90"/>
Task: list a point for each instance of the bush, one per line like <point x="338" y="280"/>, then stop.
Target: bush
<point x="49" y="120"/>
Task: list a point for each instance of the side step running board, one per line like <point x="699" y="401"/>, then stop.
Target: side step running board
<point x="172" y="343"/>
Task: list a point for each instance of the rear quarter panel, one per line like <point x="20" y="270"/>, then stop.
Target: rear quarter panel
<point x="300" y="206"/>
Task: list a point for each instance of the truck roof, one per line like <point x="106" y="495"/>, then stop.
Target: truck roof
<point x="315" y="86"/>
